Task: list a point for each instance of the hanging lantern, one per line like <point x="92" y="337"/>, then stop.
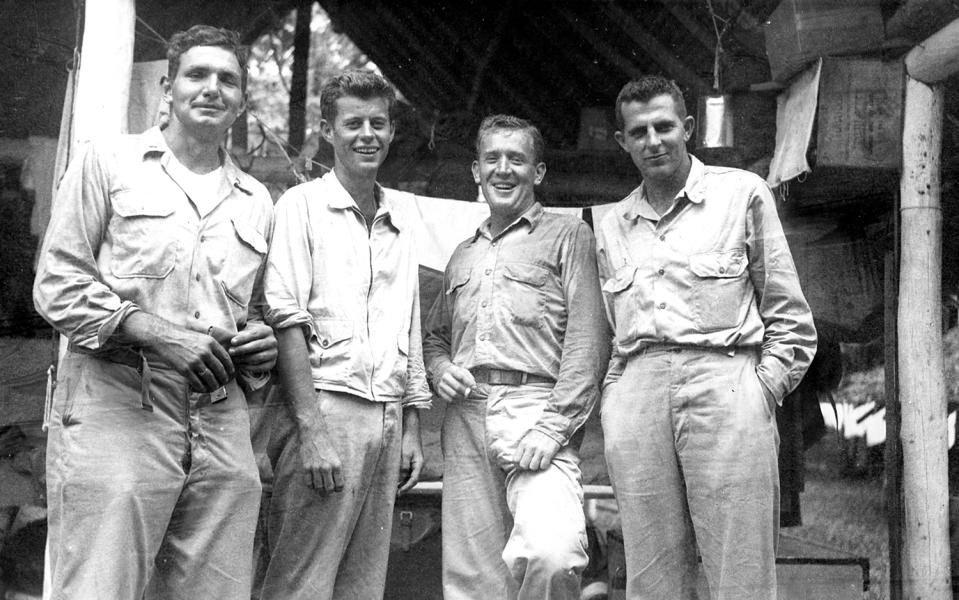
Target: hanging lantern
<point x="714" y="129"/>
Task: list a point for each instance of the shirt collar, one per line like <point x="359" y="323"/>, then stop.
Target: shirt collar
<point x="637" y="206"/>
<point x="341" y="199"/>
<point x="532" y="216"/>
<point x="153" y="142"/>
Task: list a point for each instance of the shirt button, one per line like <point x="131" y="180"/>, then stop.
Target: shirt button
<point x="492" y="243"/>
<point x="198" y="277"/>
<point x="488" y="271"/>
<point x="662" y="238"/>
<point x="196" y="315"/>
<point x="202" y="238"/>
<point x="662" y="305"/>
<point x="722" y="269"/>
<point x="483" y="338"/>
<point x="325" y="343"/>
<point x="662" y="271"/>
<point x="484" y="303"/>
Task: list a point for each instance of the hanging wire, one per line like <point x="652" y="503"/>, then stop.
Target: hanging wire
<point x="716" y="19"/>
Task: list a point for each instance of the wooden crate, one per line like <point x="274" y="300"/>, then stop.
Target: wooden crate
<point x="800" y="31"/>
<point x="860" y="113"/>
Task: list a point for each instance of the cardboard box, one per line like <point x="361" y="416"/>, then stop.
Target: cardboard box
<point x="800" y="31"/>
<point x="860" y="113"/>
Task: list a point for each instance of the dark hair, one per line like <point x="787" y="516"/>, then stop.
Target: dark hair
<point x="205" y="35"/>
<point x="494" y="122"/>
<point x="645" y="89"/>
<point x="364" y="85"/>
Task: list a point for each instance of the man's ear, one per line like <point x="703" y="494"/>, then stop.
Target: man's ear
<point x="621" y="140"/>
<point x="540" y="173"/>
<point x="476" y="172"/>
<point x="326" y="130"/>
<point x="689" y="126"/>
<point x="167" y="87"/>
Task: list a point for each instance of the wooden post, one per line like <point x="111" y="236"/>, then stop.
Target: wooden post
<point x="925" y="569"/>
<point x="106" y="61"/>
<point x="300" y="79"/>
<point x="893" y="450"/>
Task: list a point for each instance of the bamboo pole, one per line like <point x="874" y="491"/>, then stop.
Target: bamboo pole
<point x="925" y="552"/>
<point x="106" y="61"/>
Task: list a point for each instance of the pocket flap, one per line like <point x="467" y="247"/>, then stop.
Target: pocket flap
<point x="528" y="274"/>
<point x="131" y="204"/>
<point x="250" y="236"/>
<point x="333" y="331"/>
<point x="730" y="263"/>
<point x="458" y="279"/>
<point x="621" y="280"/>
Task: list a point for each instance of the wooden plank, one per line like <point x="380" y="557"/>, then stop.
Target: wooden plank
<point x="922" y="394"/>
<point x="937" y="58"/>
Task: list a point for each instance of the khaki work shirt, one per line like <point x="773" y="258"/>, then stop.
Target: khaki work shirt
<point x="124" y="236"/>
<point x="527" y="300"/>
<point x="355" y="291"/>
<point x="714" y="271"/>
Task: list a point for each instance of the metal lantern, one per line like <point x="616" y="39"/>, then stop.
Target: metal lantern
<point x="714" y="121"/>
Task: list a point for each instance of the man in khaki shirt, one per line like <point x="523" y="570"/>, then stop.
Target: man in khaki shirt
<point x="152" y="267"/>
<point x="711" y="331"/>
<point x="343" y="293"/>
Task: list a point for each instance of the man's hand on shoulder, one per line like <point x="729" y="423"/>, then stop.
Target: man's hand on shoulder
<point x="455" y="383"/>
<point x="198" y="357"/>
<point x="535" y="451"/>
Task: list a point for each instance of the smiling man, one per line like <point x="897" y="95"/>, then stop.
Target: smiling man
<point x="152" y="268"/>
<point x="343" y="291"/>
<point x="516" y="345"/>
<point x="711" y="331"/>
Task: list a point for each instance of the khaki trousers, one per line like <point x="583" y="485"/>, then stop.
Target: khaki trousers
<point x="691" y="446"/>
<point x="162" y="501"/>
<point x="508" y="534"/>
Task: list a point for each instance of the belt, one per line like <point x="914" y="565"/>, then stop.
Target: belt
<point x="507" y="377"/>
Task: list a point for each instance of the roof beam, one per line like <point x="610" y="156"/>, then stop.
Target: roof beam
<point x="385" y="54"/>
<point x="702" y="34"/>
<point x="501" y="22"/>
<point x="428" y="24"/>
<point x="645" y="40"/>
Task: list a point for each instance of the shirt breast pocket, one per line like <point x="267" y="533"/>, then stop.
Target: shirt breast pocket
<point x="143" y="236"/>
<point x="242" y="263"/>
<point x="524" y="294"/>
<point x="456" y="289"/>
<point x="720" y="289"/>
<point x="616" y="290"/>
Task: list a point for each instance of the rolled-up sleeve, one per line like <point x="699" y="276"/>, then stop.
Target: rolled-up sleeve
<point x="417" y="394"/>
<point x="586" y="344"/>
<point x="69" y="291"/>
<point x="289" y="267"/>
<point x="789" y="341"/>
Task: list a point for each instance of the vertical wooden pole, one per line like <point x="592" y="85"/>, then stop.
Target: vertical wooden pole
<point x="893" y="451"/>
<point x="106" y="61"/>
<point x="300" y="77"/>
<point x="925" y="566"/>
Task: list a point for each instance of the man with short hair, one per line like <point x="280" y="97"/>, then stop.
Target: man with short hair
<point x="516" y="344"/>
<point x="711" y="331"/>
<point x="343" y="290"/>
<point x="151" y="267"/>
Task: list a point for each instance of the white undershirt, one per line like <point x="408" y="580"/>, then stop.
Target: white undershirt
<point x="203" y="190"/>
